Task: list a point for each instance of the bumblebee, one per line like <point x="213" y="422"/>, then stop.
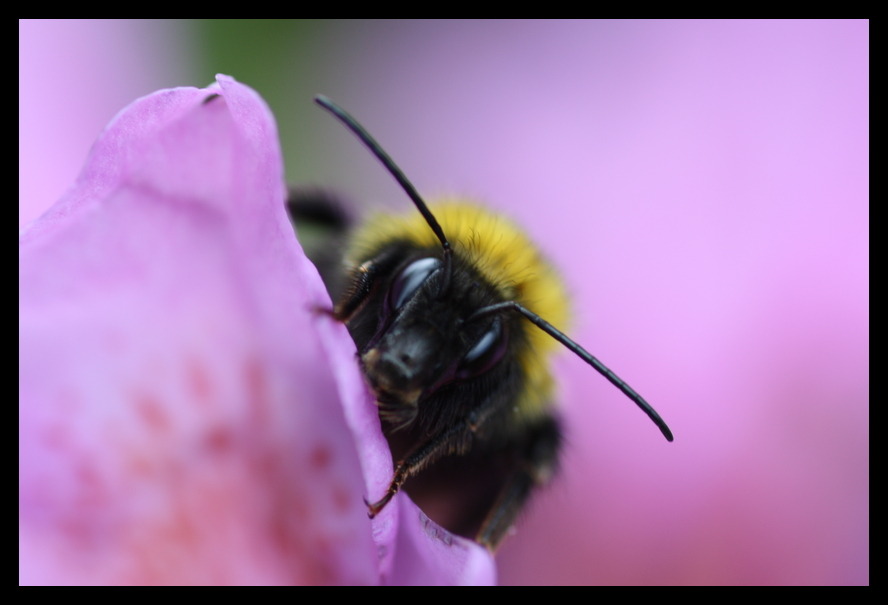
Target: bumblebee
<point x="450" y="311"/>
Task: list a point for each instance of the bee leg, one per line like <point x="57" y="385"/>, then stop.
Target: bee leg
<point x="317" y="207"/>
<point x="536" y="464"/>
<point x="363" y="282"/>
<point x="456" y="439"/>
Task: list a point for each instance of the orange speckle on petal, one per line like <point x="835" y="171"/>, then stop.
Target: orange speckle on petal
<point x="151" y="411"/>
<point x="320" y="457"/>
<point x="199" y="382"/>
<point x="219" y="440"/>
<point x="257" y="392"/>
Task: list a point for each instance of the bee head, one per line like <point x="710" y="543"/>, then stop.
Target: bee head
<point x="422" y="340"/>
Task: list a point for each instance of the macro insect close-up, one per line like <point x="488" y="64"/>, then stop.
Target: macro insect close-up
<point x="693" y="197"/>
<point x="455" y="315"/>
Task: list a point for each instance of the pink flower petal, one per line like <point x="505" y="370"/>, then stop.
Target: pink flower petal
<point x="181" y="401"/>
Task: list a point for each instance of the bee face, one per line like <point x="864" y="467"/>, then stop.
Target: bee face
<point x="418" y="346"/>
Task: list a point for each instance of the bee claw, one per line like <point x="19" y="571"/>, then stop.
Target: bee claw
<point x="370" y="512"/>
<point x="376" y="507"/>
<point x="322" y="310"/>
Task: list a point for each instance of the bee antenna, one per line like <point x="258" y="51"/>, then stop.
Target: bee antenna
<point x="582" y="353"/>
<point x="353" y="125"/>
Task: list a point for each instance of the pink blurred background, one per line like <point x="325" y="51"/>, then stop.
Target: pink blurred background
<point x="703" y="187"/>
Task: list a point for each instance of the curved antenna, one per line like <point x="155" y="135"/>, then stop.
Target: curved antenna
<point x="371" y="144"/>
<point x="582" y="353"/>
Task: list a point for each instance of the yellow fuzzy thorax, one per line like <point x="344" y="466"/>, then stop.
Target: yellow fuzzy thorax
<point x="505" y="256"/>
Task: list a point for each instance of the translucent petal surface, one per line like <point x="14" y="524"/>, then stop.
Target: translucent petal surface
<point x="181" y="401"/>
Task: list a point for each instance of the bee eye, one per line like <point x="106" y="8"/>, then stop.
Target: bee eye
<point x="489" y="349"/>
<point x="411" y="279"/>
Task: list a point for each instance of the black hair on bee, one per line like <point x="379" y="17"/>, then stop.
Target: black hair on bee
<point x="446" y="309"/>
